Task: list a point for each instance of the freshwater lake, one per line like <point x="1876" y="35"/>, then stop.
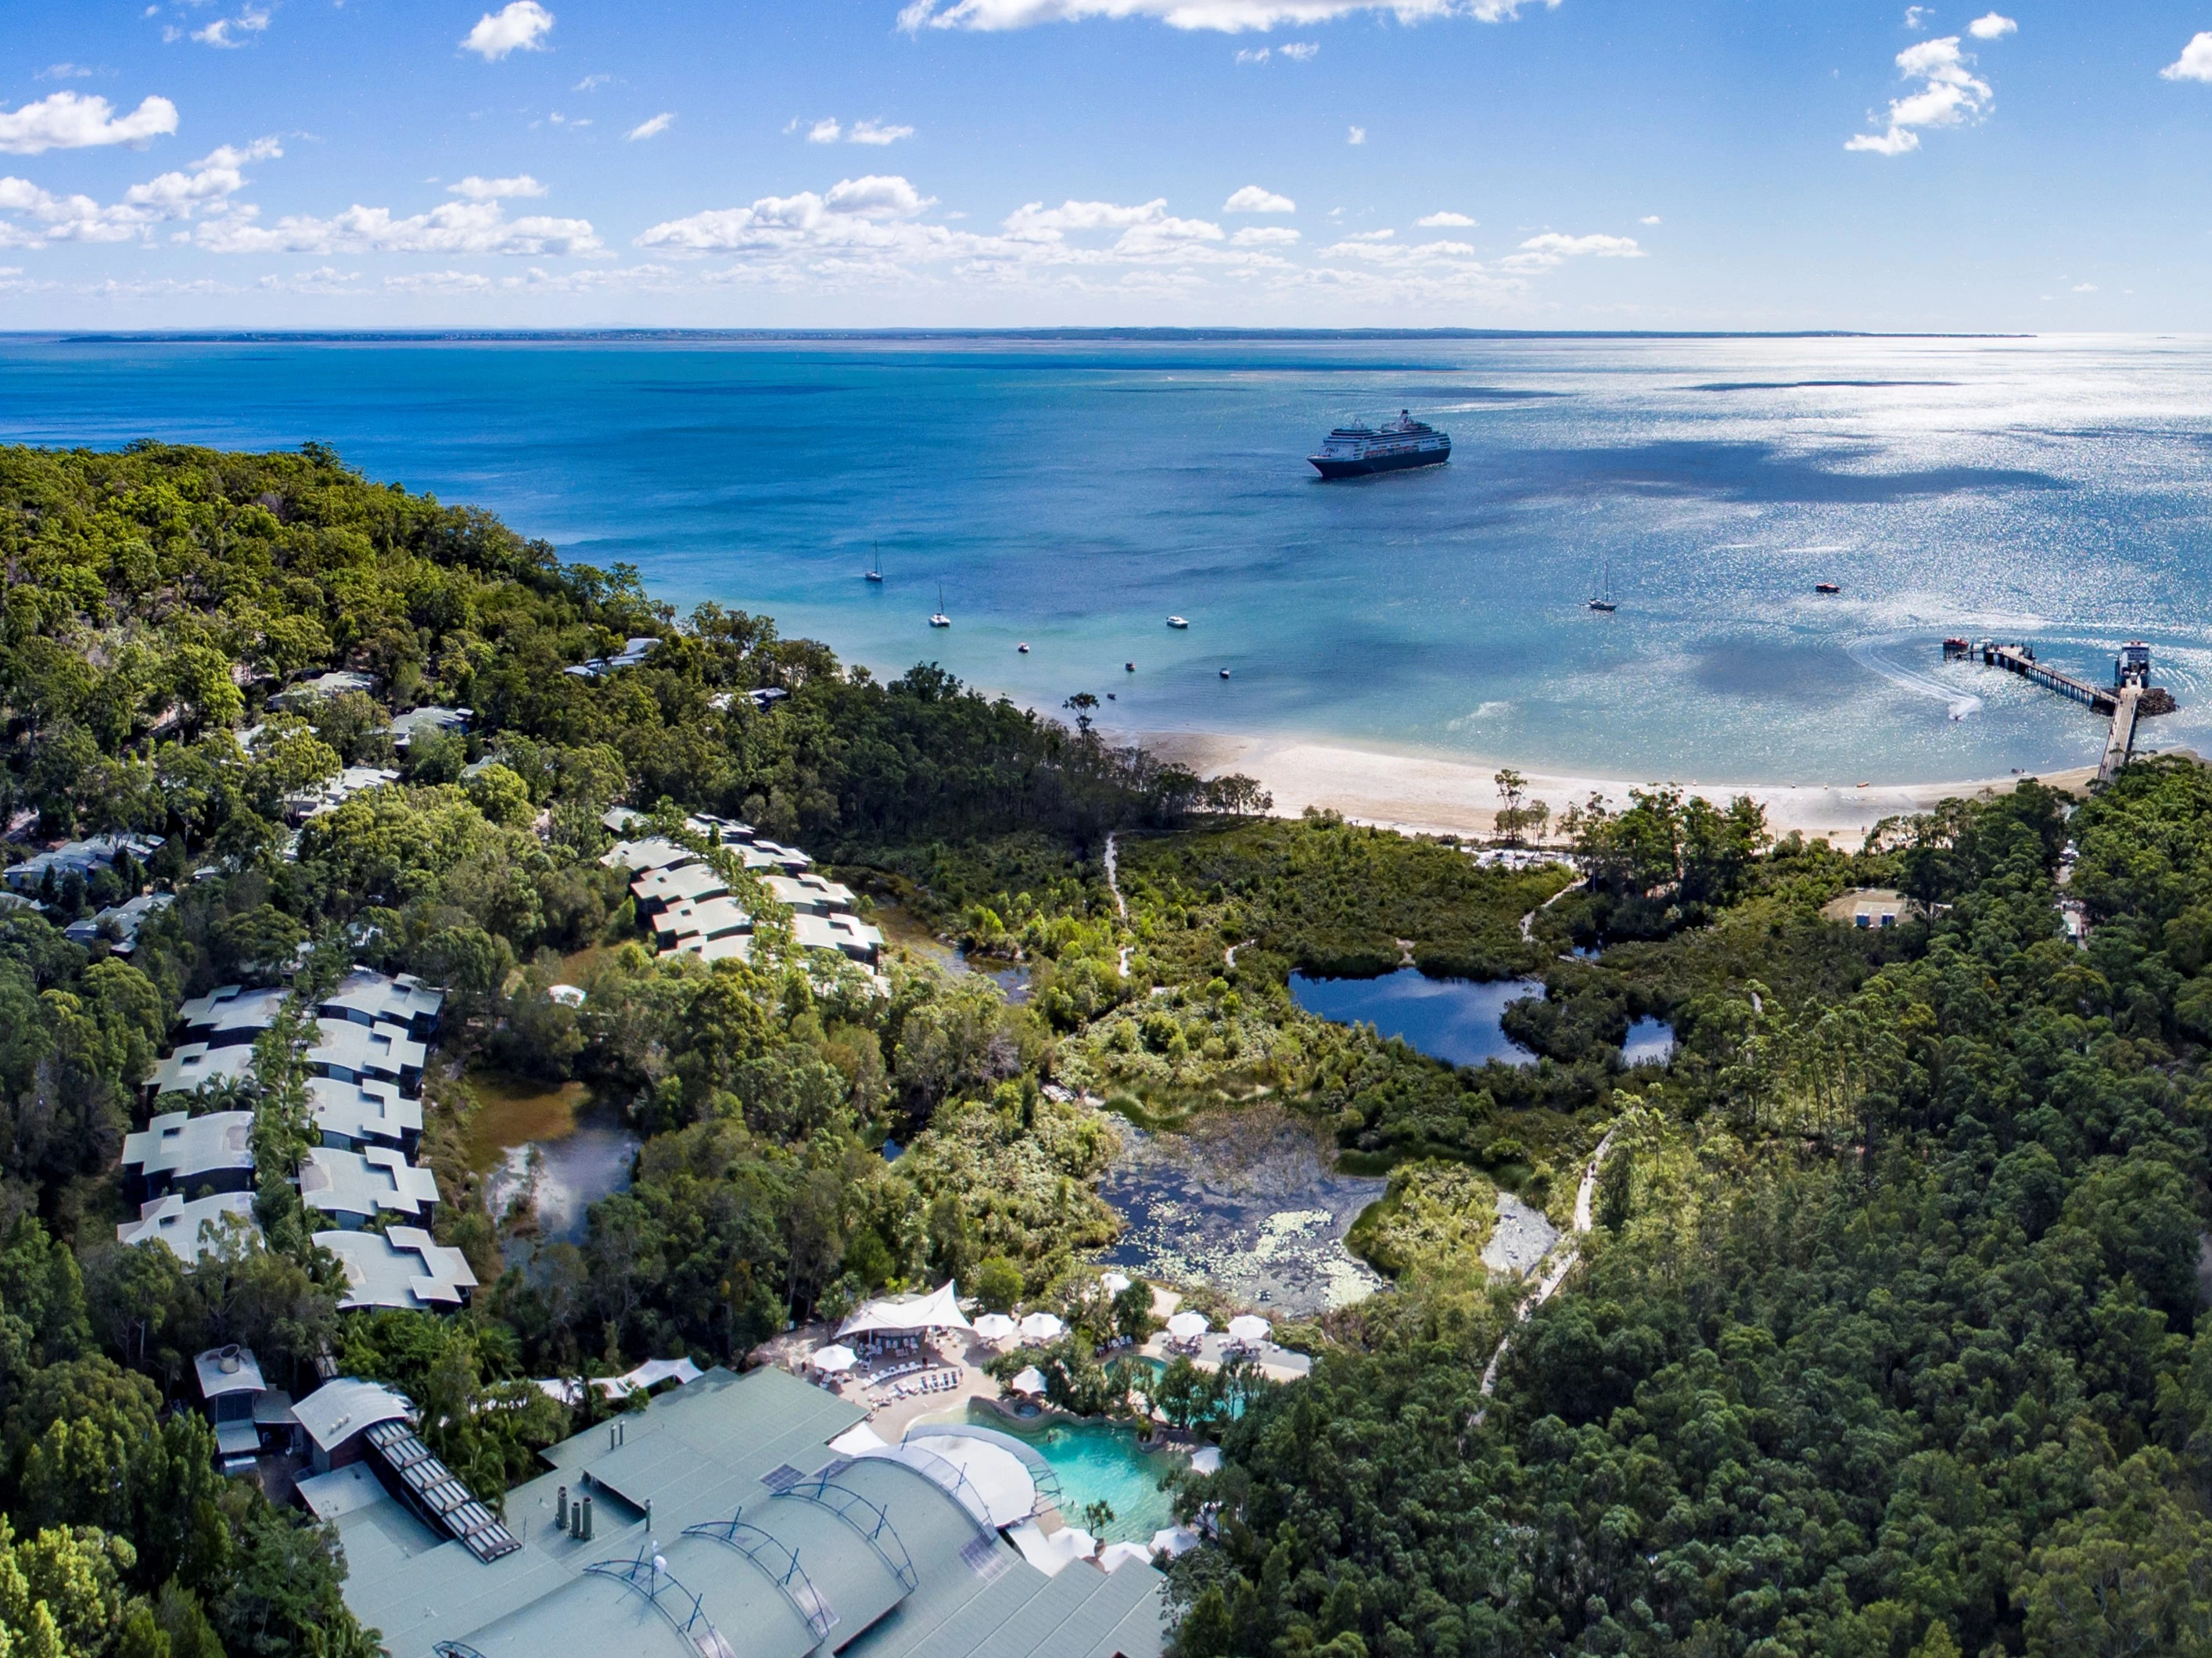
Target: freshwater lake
<point x="1072" y="493"/>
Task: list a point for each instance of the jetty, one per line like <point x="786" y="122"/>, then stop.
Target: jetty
<point x="2124" y="700"/>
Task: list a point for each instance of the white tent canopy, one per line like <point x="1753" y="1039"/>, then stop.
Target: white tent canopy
<point x="907" y="1315"/>
<point x="1187" y="1326"/>
<point x="994" y="1326"/>
<point x="1249" y="1327"/>
<point x="1042" y="1327"/>
<point x="1031" y="1382"/>
<point x="1112" y="1282"/>
<point x="837" y="1358"/>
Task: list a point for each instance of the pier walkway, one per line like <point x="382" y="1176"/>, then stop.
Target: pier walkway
<point x="2121" y="700"/>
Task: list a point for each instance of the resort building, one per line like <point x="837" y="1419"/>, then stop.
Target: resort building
<point x="79" y="857"/>
<point x="330" y="795"/>
<point x="193" y="1067"/>
<point x="809" y="895"/>
<point x="191" y="1156"/>
<point x="682" y="883"/>
<point x="230" y="1015"/>
<point x="356" y="1187"/>
<point x="709" y="918"/>
<point x="119" y="924"/>
<point x="336" y="683"/>
<point x="756" y="1517"/>
<point x="241" y="1406"/>
<point x="354" y="1116"/>
<point x="847" y="934"/>
<point x="368" y="997"/>
<point x="427" y="722"/>
<point x="399" y="1267"/>
<point x="1871" y="907"/>
<point x="190" y="1228"/>
<point x="352" y="1052"/>
<point x="632" y="652"/>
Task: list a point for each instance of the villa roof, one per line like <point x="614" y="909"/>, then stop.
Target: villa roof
<point x="399" y="1267"/>
<point x="655" y="852"/>
<point x="231" y="1369"/>
<point x="180" y="1145"/>
<point x="230" y="1014"/>
<point x="121" y="921"/>
<point x="379" y="1180"/>
<point x="847" y="934"/>
<point x="406" y="727"/>
<point x="679" y="883"/>
<point x="333" y="684"/>
<point x="709" y="918"/>
<point x="369" y="1109"/>
<point x="366" y="996"/>
<point x="80" y="856"/>
<point x="386" y="1051"/>
<point x="190" y="1227"/>
<point x="729" y="947"/>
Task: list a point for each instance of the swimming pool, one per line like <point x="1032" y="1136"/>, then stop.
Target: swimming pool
<point x="1096" y="1462"/>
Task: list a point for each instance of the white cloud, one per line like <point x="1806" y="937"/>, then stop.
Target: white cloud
<point x="652" y="129"/>
<point x="325" y="279"/>
<point x="1356" y="136"/>
<point x="876" y="132"/>
<point x="492" y="190"/>
<point x="64" y="72"/>
<point x="33" y="217"/>
<point x="66" y="120"/>
<point x="825" y="132"/>
<point x="590" y="83"/>
<point x="1950" y="95"/>
<point x="1228" y="16"/>
<point x="1544" y="251"/>
<point x="250" y="20"/>
<point x="1648" y="218"/>
<point x="1253" y="55"/>
<point x="850" y="210"/>
<point x="1992" y="25"/>
<point x="451" y="228"/>
<point x="2084" y="287"/>
<point x="2195" y="62"/>
<point x="520" y="26"/>
<point x="1299" y="52"/>
<point x="1253" y="199"/>
<point x="1264" y="235"/>
<point x="1444" y="221"/>
<point x="1915" y="17"/>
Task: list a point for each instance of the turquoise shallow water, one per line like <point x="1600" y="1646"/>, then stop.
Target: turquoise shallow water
<point x="1096" y="1463"/>
<point x="1074" y="494"/>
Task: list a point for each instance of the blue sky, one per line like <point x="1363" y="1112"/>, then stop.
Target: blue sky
<point x="1586" y="164"/>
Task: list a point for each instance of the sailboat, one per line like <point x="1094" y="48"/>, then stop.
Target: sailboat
<point x="1603" y="599"/>
<point x="875" y="572"/>
<point x="940" y="620"/>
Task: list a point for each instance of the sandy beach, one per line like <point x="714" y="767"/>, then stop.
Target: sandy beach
<point x="1423" y="794"/>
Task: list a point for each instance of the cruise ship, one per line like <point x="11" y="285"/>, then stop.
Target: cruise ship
<point x="1351" y="452"/>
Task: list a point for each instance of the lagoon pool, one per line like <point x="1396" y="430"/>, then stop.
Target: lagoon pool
<point x="1454" y="1020"/>
<point x="1096" y="1462"/>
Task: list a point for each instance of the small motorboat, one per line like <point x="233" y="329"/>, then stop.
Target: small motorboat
<point x="1825" y="588"/>
<point x="1023" y="649"/>
<point x="1225" y="673"/>
<point x="1110" y="697"/>
<point x="1129" y="667"/>
<point x="1177" y="622"/>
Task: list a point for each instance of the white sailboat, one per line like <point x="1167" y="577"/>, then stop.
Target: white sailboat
<point x="1602" y="600"/>
<point x="940" y="620"/>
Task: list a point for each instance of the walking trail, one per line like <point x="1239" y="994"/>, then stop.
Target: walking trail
<point x="1114" y="886"/>
<point x="1565" y="1255"/>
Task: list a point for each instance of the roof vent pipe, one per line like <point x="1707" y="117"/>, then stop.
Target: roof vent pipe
<point x="560" y="1510"/>
<point x="587" y="1519"/>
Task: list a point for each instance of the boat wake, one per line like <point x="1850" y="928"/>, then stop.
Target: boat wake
<point x="1867" y="655"/>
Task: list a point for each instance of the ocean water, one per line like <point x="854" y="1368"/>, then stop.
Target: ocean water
<point x="1073" y="494"/>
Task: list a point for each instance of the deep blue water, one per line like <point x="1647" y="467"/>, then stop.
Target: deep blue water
<point x="1073" y="495"/>
<point x="1454" y="1020"/>
<point x="1648" y="1039"/>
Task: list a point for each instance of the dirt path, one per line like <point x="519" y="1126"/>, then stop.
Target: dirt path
<point x="1565" y="1255"/>
<point x="1528" y="921"/>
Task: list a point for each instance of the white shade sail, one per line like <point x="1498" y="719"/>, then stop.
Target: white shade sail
<point x="836" y="1358"/>
<point x="1042" y="1327"/>
<point x="1112" y="1282"/>
<point x="906" y="1314"/>
<point x="1187" y="1326"/>
<point x="1030" y="1382"/>
<point x="994" y="1326"/>
<point x="1248" y="1326"/>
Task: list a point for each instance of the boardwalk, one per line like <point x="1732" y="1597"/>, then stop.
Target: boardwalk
<point x="2121" y="700"/>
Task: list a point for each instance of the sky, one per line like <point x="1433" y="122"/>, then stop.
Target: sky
<point x="1548" y="164"/>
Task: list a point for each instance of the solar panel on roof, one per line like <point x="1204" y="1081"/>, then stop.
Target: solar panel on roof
<point x="781" y="1478"/>
<point x="983" y="1557"/>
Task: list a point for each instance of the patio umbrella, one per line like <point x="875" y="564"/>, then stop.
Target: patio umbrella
<point x="1249" y="1328"/>
<point x="994" y="1326"/>
<point x="1112" y="1282"/>
<point x="1042" y="1327"/>
<point x="1031" y="1382"/>
<point x="839" y="1357"/>
<point x="1187" y="1326"/>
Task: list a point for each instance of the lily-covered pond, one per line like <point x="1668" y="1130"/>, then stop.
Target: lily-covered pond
<point x="1248" y="1199"/>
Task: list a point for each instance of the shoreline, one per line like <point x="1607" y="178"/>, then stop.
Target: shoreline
<point x="1419" y="794"/>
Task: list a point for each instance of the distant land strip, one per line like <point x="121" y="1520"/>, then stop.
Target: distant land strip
<point x="437" y="335"/>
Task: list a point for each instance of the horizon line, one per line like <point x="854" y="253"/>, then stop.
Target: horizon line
<point x="402" y="336"/>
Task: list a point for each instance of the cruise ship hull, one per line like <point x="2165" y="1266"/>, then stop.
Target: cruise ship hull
<point x="1332" y="466"/>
